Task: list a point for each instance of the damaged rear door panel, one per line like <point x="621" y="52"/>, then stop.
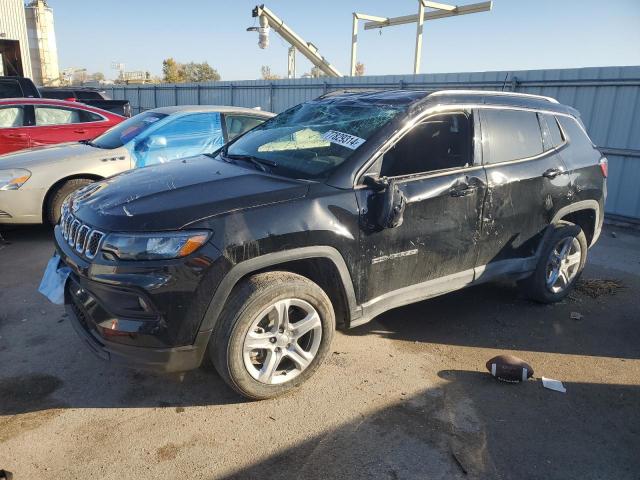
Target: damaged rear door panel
<point x="527" y="184"/>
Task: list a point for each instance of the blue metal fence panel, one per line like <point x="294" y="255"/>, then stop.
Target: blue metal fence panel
<point x="608" y="99"/>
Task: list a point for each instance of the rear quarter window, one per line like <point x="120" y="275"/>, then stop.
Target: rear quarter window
<point x="554" y="130"/>
<point x="581" y="151"/>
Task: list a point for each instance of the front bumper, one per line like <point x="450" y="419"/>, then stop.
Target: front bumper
<point x="22" y="206"/>
<point x="176" y="359"/>
<point x="103" y="299"/>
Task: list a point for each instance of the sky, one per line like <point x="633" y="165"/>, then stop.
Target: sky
<point x="514" y="35"/>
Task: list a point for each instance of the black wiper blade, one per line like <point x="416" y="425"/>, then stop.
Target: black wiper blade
<point x="258" y="162"/>
<point x="86" y="142"/>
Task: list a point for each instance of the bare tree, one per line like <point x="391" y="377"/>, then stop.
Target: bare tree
<point x="265" y="71"/>
<point x="359" y="69"/>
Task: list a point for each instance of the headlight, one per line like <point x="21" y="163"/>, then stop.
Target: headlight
<point x="154" y="246"/>
<point x="14" y="178"/>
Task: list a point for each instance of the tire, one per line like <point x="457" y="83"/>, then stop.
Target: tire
<point x="58" y="196"/>
<point x="249" y="318"/>
<point x="541" y="286"/>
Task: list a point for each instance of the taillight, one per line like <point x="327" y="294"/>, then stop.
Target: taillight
<point x="604" y="166"/>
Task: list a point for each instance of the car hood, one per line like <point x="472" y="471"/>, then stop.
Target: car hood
<point x="34" y="157"/>
<point x="176" y="194"/>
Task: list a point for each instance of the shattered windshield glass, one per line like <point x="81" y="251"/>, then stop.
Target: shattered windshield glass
<point x="311" y="140"/>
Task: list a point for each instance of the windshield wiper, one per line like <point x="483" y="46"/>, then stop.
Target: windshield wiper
<point x="259" y="163"/>
<point x="86" y="142"/>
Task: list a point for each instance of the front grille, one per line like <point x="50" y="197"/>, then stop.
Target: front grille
<point x="80" y="236"/>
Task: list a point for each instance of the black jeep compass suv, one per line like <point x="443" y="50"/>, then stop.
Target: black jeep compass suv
<point x="325" y="216"/>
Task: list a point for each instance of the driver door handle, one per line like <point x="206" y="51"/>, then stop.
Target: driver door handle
<point x="463" y="190"/>
<point x="552" y="173"/>
<point x="80" y="130"/>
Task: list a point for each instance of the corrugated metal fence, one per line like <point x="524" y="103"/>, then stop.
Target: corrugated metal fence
<point x="607" y="97"/>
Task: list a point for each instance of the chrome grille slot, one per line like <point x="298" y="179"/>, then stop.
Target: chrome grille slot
<point x="93" y="243"/>
<point x="80" y="236"/>
<point x="68" y="226"/>
<point x="81" y="241"/>
<point x="73" y="232"/>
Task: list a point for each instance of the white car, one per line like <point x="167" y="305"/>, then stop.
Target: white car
<point x="34" y="183"/>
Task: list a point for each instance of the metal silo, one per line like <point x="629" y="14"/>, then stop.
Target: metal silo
<point x="42" y="43"/>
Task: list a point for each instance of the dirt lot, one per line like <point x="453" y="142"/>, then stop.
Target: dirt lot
<point x="405" y="397"/>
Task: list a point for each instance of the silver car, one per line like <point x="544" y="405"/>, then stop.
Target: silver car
<point x="34" y="183"/>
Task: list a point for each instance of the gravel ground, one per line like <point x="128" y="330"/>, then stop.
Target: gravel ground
<point x="404" y="397"/>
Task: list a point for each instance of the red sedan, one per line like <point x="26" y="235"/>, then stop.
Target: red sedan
<point x="35" y="122"/>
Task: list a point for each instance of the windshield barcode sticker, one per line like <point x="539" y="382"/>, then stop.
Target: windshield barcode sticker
<point x="344" y="139"/>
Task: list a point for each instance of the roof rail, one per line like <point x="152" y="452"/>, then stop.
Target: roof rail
<point x="493" y="92"/>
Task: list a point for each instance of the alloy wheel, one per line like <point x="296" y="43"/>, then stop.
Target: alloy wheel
<point x="563" y="264"/>
<point x="282" y="341"/>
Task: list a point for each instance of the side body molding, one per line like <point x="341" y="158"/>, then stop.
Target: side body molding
<point x="273" y="259"/>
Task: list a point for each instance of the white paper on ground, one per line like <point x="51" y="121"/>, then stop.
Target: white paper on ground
<point x="552" y="384"/>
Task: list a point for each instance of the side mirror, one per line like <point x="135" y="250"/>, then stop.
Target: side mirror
<point x="389" y="201"/>
<point x="375" y="182"/>
<point x="156" y="141"/>
<point x="71" y="99"/>
<point x="391" y="213"/>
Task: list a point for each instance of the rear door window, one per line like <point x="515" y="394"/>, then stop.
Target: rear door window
<point x="11" y="117"/>
<point x="510" y="135"/>
<point x="62" y="116"/>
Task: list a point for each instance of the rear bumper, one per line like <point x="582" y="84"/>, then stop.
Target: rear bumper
<point x="176" y="359"/>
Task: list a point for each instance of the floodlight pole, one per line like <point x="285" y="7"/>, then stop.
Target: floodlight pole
<point x="420" y="24"/>
<point x="269" y="19"/>
<point x="354" y="35"/>
<point x="291" y="62"/>
<point x="440" y="10"/>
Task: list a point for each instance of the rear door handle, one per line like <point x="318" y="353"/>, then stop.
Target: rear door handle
<point x="17" y="135"/>
<point x="552" y="173"/>
<point x="80" y="131"/>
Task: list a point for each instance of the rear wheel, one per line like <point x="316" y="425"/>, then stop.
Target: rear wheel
<point x="273" y="334"/>
<point x="560" y="265"/>
<point x="57" y="197"/>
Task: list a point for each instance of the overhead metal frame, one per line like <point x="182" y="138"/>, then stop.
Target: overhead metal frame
<point x="440" y="10"/>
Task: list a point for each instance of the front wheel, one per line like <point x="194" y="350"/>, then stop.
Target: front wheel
<point x="58" y="196"/>
<point x="560" y="265"/>
<point x="274" y="332"/>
